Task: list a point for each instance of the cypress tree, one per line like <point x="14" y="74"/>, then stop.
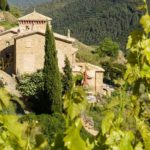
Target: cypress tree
<point x="67" y="77"/>
<point x="52" y="81"/>
<point x="3" y="4"/>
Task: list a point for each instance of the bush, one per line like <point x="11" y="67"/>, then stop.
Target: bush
<point x="108" y="48"/>
<point x="113" y="71"/>
<point x="51" y="125"/>
<point x="31" y="88"/>
<point x="30" y="85"/>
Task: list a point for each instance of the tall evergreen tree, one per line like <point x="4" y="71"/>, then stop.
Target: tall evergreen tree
<point x="67" y="77"/>
<point x="52" y="81"/>
<point x="3" y="4"/>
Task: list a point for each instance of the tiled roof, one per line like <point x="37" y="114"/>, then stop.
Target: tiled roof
<point x="86" y="66"/>
<point x="26" y="33"/>
<point x="35" y="16"/>
<point x="13" y="30"/>
<point x="56" y="35"/>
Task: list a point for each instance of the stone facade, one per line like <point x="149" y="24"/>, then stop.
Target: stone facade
<point x="92" y="76"/>
<point x="22" y="50"/>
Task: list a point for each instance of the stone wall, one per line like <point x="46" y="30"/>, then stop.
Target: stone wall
<point x="7" y="51"/>
<point x="30" y="53"/>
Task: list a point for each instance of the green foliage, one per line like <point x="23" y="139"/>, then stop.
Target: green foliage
<point x="107" y="122"/>
<point x="108" y="48"/>
<point x="145" y="132"/>
<point x="15" y="11"/>
<point x="52" y="81"/>
<point x="113" y="71"/>
<point x="73" y="140"/>
<point x="67" y="79"/>
<point x="78" y="79"/>
<point x="7" y="25"/>
<point x="51" y="125"/>
<point x="15" y="135"/>
<point x="75" y="102"/>
<point x="32" y="89"/>
<point x="91" y="22"/>
<point x="113" y="65"/>
<point x="10" y="104"/>
<point x="124" y="125"/>
<point x="31" y="85"/>
<point x="4" y="5"/>
<point x="1" y="84"/>
<point x="87" y="54"/>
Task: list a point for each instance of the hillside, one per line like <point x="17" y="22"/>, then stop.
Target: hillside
<point x="92" y="20"/>
<point x="10" y="20"/>
<point x="26" y="3"/>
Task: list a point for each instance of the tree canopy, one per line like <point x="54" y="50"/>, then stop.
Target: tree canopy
<point x="108" y="48"/>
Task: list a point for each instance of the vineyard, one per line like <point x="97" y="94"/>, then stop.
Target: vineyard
<point x="117" y="122"/>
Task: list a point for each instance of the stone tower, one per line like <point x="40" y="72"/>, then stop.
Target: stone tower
<point x="34" y="21"/>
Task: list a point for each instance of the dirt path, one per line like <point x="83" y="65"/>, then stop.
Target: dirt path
<point x="88" y="125"/>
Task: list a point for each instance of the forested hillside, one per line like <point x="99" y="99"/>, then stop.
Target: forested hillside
<point x="92" y="20"/>
<point x="26" y="3"/>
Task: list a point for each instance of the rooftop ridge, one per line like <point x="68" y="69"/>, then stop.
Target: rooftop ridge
<point x="35" y="16"/>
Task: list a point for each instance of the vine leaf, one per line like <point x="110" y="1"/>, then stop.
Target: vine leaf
<point x="107" y="122"/>
<point x="73" y="140"/>
<point x="125" y="143"/>
<point x="145" y="22"/>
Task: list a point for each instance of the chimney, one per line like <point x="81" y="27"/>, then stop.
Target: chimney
<point x="68" y="34"/>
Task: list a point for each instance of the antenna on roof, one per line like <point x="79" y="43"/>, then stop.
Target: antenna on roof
<point x="68" y="34"/>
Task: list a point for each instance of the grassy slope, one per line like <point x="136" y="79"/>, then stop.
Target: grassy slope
<point x="85" y="54"/>
<point x="10" y="22"/>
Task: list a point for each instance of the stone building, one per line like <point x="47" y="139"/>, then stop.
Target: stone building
<point x="22" y="48"/>
<point x="92" y="75"/>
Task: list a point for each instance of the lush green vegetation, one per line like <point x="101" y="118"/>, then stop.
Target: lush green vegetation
<point x="106" y="55"/>
<point x="26" y="3"/>
<point x="108" y="48"/>
<point x="4" y="5"/>
<point x="67" y="78"/>
<point x="92" y="21"/>
<point x="15" y="11"/>
<point x="7" y="25"/>
<point x="14" y="134"/>
<point x="52" y="80"/>
<point x="122" y="120"/>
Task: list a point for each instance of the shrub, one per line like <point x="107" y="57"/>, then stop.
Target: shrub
<point x="51" y="125"/>
<point x="30" y="85"/>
